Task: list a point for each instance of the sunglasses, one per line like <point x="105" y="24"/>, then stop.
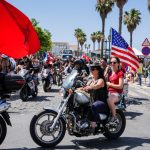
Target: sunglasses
<point x="113" y="62"/>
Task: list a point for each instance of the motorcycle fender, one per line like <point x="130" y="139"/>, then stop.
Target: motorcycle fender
<point x="24" y="86"/>
<point x="50" y="108"/>
<point x="6" y="117"/>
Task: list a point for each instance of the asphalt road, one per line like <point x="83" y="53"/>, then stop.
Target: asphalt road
<point x="136" y="135"/>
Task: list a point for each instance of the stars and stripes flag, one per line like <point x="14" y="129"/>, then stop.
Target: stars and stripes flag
<point x="121" y="49"/>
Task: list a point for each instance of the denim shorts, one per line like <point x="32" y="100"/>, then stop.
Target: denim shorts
<point x="119" y="95"/>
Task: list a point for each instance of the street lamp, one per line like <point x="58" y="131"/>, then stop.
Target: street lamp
<point x="105" y="47"/>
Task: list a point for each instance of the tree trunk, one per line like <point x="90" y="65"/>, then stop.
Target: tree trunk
<point x="120" y="19"/>
<point x="131" y="34"/>
<point x="78" y="53"/>
<point x="99" y="46"/>
<point x="81" y="50"/>
<point x="103" y="32"/>
<point x="93" y="46"/>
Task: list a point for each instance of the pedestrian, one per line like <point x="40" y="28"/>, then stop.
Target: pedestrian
<point x="148" y="71"/>
<point x="140" y="72"/>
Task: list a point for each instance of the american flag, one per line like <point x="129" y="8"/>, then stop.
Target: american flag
<point x="121" y="49"/>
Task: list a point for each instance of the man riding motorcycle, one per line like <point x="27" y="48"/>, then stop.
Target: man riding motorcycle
<point x="82" y="69"/>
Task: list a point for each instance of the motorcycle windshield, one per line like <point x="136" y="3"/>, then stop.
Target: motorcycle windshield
<point x="69" y="81"/>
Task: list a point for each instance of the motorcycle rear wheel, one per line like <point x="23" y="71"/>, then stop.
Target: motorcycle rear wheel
<point x="3" y="130"/>
<point x="45" y="85"/>
<point x="119" y="129"/>
<point x="40" y="129"/>
<point x="24" y="93"/>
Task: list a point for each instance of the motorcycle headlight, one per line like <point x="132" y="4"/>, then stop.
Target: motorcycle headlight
<point x="62" y="92"/>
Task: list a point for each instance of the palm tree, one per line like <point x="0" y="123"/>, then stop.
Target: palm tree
<point x="93" y="38"/>
<point x="77" y="34"/>
<point x="120" y="5"/>
<point x="99" y="38"/>
<point x="132" y="19"/>
<point x="82" y="40"/>
<point x="148" y="5"/>
<point x="104" y="7"/>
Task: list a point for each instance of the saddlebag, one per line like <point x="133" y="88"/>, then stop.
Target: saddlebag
<point x="10" y="83"/>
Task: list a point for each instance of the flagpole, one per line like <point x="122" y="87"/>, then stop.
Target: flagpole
<point x="110" y="41"/>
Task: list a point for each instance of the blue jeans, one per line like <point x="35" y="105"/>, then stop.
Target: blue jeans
<point x="98" y="107"/>
<point x="140" y="78"/>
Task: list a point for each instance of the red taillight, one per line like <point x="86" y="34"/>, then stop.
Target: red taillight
<point x="20" y="82"/>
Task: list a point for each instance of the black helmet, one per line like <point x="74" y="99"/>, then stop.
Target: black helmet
<point x="95" y="65"/>
<point x="78" y="62"/>
<point x="83" y="61"/>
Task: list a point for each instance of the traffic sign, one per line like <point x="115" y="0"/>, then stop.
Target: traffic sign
<point x="146" y="42"/>
<point x="145" y="51"/>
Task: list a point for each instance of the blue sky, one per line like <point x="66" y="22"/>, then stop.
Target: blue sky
<point x="62" y="17"/>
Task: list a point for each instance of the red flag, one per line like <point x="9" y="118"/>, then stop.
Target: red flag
<point x="121" y="49"/>
<point x="50" y="57"/>
<point x="86" y="57"/>
<point x="17" y="35"/>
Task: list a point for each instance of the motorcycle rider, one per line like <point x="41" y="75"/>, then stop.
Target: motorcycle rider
<point x="82" y="70"/>
<point x="98" y="90"/>
<point x="47" y="73"/>
<point x="106" y="68"/>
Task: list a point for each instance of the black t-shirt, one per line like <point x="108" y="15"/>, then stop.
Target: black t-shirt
<point x="100" y="94"/>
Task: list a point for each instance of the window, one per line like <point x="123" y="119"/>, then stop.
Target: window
<point x="67" y="51"/>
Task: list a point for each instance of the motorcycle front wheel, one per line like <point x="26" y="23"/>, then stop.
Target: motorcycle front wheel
<point x="116" y="130"/>
<point x="3" y="130"/>
<point x="40" y="129"/>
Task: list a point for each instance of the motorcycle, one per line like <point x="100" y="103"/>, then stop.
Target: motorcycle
<point x="47" y="82"/>
<point x="57" y="76"/>
<point x="9" y="84"/>
<point x="4" y="118"/>
<point x="48" y="127"/>
<point x="30" y="88"/>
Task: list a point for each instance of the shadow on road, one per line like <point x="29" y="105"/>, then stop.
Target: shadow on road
<point x="135" y="101"/>
<point x="55" y="90"/>
<point x="132" y="115"/>
<point x="126" y="143"/>
<point x="41" y="98"/>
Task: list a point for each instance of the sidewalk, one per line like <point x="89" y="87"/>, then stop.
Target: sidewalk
<point x="144" y="83"/>
<point x="135" y="90"/>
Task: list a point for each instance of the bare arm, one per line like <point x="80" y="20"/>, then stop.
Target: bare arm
<point x="98" y="85"/>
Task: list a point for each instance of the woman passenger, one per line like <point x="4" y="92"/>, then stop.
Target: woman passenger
<point x="115" y="86"/>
